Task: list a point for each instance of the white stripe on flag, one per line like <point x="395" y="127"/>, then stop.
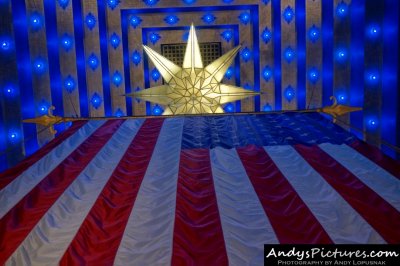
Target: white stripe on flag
<point x="20" y="186"/>
<point x="245" y="225"/>
<point x="49" y="239"/>
<point x="342" y="223"/>
<point x="148" y="234"/>
<point x="379" y="180"/>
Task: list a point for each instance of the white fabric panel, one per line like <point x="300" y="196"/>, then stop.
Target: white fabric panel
<point x="378" y="179"/>
<point x="19" y="187"/>
<point x="50" y="238"/>
<point x="148" y="234"/>
<point x="342" y="223"/>
<point x="245" y="225"/>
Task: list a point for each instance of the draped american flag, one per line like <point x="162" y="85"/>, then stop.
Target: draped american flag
<point x="195" y="190"/>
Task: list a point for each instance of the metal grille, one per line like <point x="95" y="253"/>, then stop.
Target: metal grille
<point x="210" y="51"/>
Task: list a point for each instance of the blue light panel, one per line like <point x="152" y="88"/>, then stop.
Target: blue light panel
<point x="244" y="18"/>
<point x="314" y="33"/>
<point x="117" y="78"/>
<point x="266" y="35"/>
<point x="288" y="14"/>
<point x="69" y="84"/>
<point x="115" y="40"/>
<point x="90" y="21"/>
<point x="66" y="42"/>
<point x="208" y="18"/>
<point x="96" y="100"/>
<point x="171" y="19"/>
<point x="135" y="21"/>
<point x="93" y="61"/>
<point x="289" y="93"/>
<point x="246" y="54"/>
<point x="63" y="3"/>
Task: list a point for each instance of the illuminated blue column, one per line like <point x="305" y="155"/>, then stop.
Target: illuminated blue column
<point x="11" y="147"/>
<point x="373" y="45"/>
<point x="341" y="56"/>
<point x="390" y="75"/>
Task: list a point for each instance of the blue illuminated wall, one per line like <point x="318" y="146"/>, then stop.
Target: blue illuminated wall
<point x="83" y="56"/>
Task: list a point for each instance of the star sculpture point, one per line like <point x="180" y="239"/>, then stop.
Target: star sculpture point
<point x="192" y="88"/>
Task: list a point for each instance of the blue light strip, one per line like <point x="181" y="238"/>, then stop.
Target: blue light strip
<point x="256" y="57"/>
<point x="327" y="51"/>
<point x="146" y="72"/>
<point x="301" y="54"/>
<point x="390" y="81"/>
<point x="80" y="57"/>
<point x="25" y="71"/>
<point x="54" y="60"/>
<point x="125" y="46"/>
<point x="102" y="7"/>
<point x="3" y="157"/>
<point x="357" y="62"/>
<point x="276" y="21"/>
<point x="238" y="106"/>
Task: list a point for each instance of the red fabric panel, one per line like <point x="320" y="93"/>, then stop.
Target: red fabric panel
<point x="198" y="237"/>
<point x="20" y="220"/>
<point x="109" y="215"/>
<point x="382" y="216"/>
<point x="290" y="217"/>
<point x="378" y="157"/>
<point x="10" y="174"/>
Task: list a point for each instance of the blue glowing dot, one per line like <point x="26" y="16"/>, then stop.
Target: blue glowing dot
<point x="373" y="31"/>
<point x="372" y="77"/>
<point x="43" y="108"/>
<point x="342" y="10"/>
<point x="289" y="54"/>
<point x="96" y="100"/>
<point x="155" y="75"/>
<point x="114" y="40"/>
<point x="117" y="78"/>
<point x="136" y="58"/>
<point x="39" y="66"/>
<point x="246" y="54"/>
<point x="113" y="3"/>
<point x="14" y="135"/>
<point x="119" y="113"/>
<point x="185" y="36"/>
<point x="154" y="37"/>
<point x="266" y="35"/>
<point x="227" y="35"/>
<point x="189" y="2"/>
<point x="265" y="2"/>
<point x="6" y="44"/>
<point x="289" y="93"/>
<point x="267" y="108"/>
<point x="10" y="90"/>
<point x="244" y="18"/>
<point x="341" y="55"/>
<point x="157" y="110"/>
<point x="313" y="75"/>
<point x="267" y="73"/>
<point x="69" y="84"/>
<point x="66" y="42"/>
<point x="63" y="3"/>
<point x="36" y="21"/>
<point x="372" y="123"/>
<point x="135" y="21"/>
<point x="288" y="14"/>
<point x="90" y="21"/>
<point x="227" y="1"/>
<point x="229" y="73"/>
<point x="341" y="97"/>
<point x="171" y="19"/>
<point x="150" y="2"/>
<point x="247" y="86"/>
<point x="208" y="18"/>
<point x="229" y="108"/>
<point x="93" y="61"/>
<point x="313" y="33"/>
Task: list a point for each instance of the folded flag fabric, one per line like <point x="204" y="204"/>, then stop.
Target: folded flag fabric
<point x="195" y="190"/>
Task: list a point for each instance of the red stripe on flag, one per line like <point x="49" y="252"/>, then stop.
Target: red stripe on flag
<point x="378" y="157"/>
<point x="198" y="237"/>
<point x="292" y="220"/>
<point x="109" y="215"/>
<point x="20" y="220"/>
<point x="9" y="175"/>
<point x="382" y="216"/>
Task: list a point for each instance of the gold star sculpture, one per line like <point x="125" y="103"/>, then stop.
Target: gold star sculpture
<point x="192" y="88"/>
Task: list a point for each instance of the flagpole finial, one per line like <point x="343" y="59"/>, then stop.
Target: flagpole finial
<point x="336" y="109"/>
